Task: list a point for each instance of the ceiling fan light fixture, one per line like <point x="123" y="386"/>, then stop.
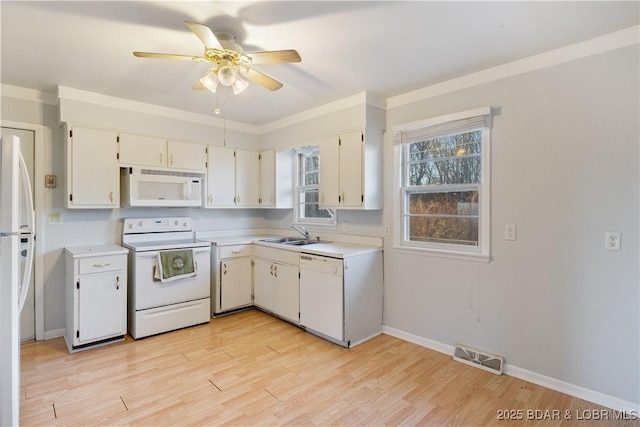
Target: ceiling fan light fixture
<point x="228" y="75"/>
<point x="210" y="80"/>
<point x="239" y="85"/>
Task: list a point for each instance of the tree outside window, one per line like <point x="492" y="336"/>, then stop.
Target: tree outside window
<point x="444" y="192"/>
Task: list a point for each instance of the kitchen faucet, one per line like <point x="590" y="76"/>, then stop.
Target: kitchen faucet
<point x="300" y="229"/>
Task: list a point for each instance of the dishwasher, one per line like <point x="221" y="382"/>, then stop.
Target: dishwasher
<point x="322" y="296"/>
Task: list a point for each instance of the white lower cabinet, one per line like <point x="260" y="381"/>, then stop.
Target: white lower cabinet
<point x="96" y="296"/>
<point x="232" y="278"/>
<point x="277" y="282"/>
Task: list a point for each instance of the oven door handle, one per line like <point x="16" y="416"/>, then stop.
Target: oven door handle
<point x="153" y="254"/>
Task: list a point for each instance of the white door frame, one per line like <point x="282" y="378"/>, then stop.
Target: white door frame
<point x="42" y="135"/>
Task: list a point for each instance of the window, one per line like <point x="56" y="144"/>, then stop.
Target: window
<point x="444" y="183"/>
<point x="308" y="207"/>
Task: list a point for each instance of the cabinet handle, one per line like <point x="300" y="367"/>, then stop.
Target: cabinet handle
<point x="210" y="198"/>
<point x="275" y="271"/>
<point x="343" y="199"/>
<point x="271" y="270"/>
<point x="224" y="272"/>
<point x="160" y="158"/>
<point x="238" y="199"/>
<point x="117" y="282"/>
<point x="111" y="195"/>
<point x="171" y="159"/>
<point x="237" y="252"/>
<point x="102" y="265"/>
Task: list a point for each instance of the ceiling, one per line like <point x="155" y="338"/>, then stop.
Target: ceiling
<point x="385" y="48"/>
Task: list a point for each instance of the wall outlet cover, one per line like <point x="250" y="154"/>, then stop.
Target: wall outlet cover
<point x="55" y="219"/>
<point x="612" y="241"/>
<point x="510" y="232"/>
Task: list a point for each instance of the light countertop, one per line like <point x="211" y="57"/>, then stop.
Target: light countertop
<point x="331" y="249"/>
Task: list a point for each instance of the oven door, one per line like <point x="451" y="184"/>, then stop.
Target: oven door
<point x="148" y="292"/>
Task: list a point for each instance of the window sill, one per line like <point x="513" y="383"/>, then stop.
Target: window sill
<point x="463" y="256"/>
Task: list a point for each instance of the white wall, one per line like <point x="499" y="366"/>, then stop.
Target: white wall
<point x="564" y="170"/>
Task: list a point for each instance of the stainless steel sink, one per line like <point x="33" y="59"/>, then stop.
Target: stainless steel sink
<point x="294" y="241"/>
<point x="302" y="242"/>
<point x="281" y="240"/>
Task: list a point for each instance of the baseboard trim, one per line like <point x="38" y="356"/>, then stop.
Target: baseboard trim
<point x="526" y="375"/>
<point x="54" y="333"/>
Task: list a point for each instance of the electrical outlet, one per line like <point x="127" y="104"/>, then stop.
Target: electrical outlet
<point x="387" y="230"/>
<point x="54" y="219"/>
<point x="612" y="241"/>
<point x="510" y="232"/>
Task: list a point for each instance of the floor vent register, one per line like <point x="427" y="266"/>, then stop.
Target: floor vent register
<point x="479" y="359"/>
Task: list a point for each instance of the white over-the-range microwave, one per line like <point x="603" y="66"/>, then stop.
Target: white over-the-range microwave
<point x="160" y="188"/>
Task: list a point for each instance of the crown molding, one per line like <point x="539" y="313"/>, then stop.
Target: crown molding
<point x="350" y="101"/>
<point x="73" y="94"/>
<point x="611" y="41"/>
<point x="27" y="94"/>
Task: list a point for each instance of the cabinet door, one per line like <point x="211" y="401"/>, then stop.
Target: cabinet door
<point x="329" y="172"/>
<point x="287" y="291"/>
<point x="235" y="283"/>
<point x="264" y="293"/>
<point x="221" y="177"/>
<point x="92" y="168"/>
<point x="268" y="178"/>
<point x="351" y="169"/>
<point x="187" y="155"/>
<point x="247" y="178"/>
<point x="101" y="306"/>
<point x="142" y="150"/>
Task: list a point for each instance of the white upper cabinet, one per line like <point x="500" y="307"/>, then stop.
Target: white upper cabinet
<point x="247" y="178"/>
<point x="186" y="155"/>
<point x="142" y="150"/>
<point x="232" y="178"/>
<point x="93" y="178"/>
<point x="151" y="151"/>
<point x="221" y="177"/>
<point x="276" y="179"/>
<point x="351" y="170"/>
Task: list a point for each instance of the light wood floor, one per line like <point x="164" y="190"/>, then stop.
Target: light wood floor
<point x="252" y="369"/>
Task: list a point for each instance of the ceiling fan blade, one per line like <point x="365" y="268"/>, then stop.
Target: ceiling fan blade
<point x="274" y="56"/>
<point x="205" y="35"/>
<point x="168" y="56"/>
<point x="261" y="79"/>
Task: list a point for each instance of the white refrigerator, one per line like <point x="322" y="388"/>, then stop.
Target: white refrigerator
<point x="14" y="187"/>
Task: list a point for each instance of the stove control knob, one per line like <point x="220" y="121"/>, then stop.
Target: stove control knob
<point x="130" y="225"/>
<point x="140" y="223"/>
<point x="185" y="224"/>
<point x="176" y="222"/>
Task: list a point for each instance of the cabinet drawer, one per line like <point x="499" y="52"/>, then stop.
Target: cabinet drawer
<point x="100" y="264"/>
<point x="278" y="255"/>
<point x="235" y="251"/>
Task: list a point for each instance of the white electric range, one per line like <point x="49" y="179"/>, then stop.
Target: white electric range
<point x="155" y="305"/>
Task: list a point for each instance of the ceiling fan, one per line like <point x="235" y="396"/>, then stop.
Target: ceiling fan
<point x="231" y="64"/>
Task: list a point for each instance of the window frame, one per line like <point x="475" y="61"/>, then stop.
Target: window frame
<point x="481" y="252"/>
<point x="299" y="218"/>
